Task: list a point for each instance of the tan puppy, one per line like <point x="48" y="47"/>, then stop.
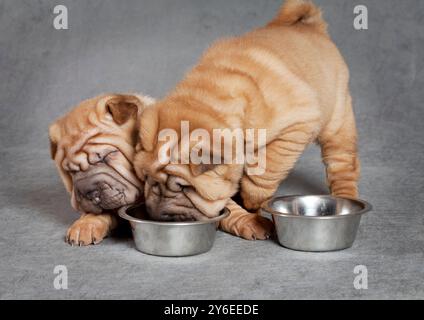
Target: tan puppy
<point x="93" y="147"/>
<point x="288" y="78"/>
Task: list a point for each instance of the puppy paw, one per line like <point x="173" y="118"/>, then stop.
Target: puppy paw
<point x="89" y="229"/>
<point x="255" y="227"/>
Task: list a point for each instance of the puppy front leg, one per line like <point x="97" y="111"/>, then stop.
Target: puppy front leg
<point x="250" y="226"/>
<point x="91" y="228"/>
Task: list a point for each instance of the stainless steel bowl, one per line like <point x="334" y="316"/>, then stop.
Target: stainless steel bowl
<point x="172" y="239"/>
<point x="316" y="223"/>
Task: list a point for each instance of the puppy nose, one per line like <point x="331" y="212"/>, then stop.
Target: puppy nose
<point x="94" y="196"/>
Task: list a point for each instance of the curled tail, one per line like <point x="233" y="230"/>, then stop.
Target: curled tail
<point x="295" y="12"/>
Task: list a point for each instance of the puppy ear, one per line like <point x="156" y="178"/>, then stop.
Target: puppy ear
<point x="123" y="108"/>
<point x="149" y="126"/>
<point x="54" y="137"/>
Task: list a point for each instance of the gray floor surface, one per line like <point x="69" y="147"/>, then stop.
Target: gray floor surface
<point x="147" y="46"/>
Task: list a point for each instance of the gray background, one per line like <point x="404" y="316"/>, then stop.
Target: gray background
<point x="147" y="46"/>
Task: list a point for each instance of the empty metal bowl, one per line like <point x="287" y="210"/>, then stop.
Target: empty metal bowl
<point x="316" y="223"/>
<point x="172" y="239"/>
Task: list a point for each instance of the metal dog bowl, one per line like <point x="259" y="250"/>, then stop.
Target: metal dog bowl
<point x="316" y="223"/>
<point x="172" y="239"/>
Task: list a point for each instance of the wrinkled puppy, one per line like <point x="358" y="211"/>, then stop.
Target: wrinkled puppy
<point x="93" y="148"/>
<point x="286" y="77"/>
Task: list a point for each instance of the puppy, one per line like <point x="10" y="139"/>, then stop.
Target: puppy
<point x="286" y="77"/>
<point x="93" y="148"/>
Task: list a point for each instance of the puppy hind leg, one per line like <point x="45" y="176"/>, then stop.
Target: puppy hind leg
<point x="340" y="156"/>
<point x="281" y="156"/>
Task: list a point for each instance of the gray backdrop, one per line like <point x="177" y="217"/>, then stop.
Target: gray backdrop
<point x="147" y="46"/>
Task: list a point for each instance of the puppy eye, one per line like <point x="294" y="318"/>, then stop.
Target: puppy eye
<point x="198" y="169"/>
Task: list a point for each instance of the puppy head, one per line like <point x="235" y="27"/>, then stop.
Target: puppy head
<point x="93" y="148"/>
<point x="181" y="190"/>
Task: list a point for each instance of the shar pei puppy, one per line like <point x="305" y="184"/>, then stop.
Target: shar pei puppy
<point x="93" y="148"/>
<point x="287" y="78"/>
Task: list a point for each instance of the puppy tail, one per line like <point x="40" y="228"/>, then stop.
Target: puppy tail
<point x="300" y="12"/>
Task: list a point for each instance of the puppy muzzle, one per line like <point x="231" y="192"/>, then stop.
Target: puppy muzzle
<point x="102" y="188"/>
<point x="168" y="202"/>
